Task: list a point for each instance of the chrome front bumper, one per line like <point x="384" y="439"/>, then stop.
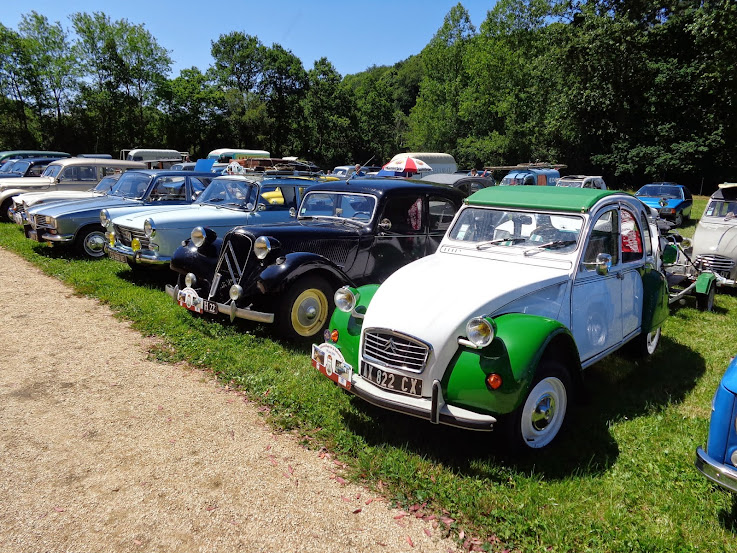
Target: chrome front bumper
<point x="136" y="257"/>
<point x="61" y="238"/>
<point x="229" y="309"/>
<point x="715" y="471"/>
<point x="433" y="409"/>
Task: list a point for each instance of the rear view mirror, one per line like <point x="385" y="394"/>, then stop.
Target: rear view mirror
<point x="670" y="254"/>
<point x="603" y="264"/>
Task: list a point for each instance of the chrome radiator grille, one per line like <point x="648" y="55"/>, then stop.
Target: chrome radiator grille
<point x="394" y="351"/>
<point x="717" y="263"/>
<point x="126" y="236"/>
<point x="234" y="256"/>
<point x="40" y="221"/>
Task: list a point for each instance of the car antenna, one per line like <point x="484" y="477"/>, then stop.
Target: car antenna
<point x="361" y="167"/>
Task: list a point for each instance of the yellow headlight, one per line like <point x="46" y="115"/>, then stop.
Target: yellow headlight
<point x="135" y="244"/>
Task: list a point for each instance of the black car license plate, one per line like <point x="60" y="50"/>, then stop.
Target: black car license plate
<point x="391" y="381"/>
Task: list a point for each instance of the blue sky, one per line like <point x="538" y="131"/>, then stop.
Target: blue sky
<point x="352" y="35"/>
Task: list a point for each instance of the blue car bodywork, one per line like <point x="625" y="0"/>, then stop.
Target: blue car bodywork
<point x="672" y="201"/>
<point x="718" y="462"/>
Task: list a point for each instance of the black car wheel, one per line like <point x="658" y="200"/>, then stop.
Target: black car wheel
<point x="306" y="307"/>
<point x="5" y="210"/>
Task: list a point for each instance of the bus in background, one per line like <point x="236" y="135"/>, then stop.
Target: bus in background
<point x="154" y="159"/>
<point x="226" y="155"/>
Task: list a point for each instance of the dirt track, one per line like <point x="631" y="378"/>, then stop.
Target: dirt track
<point x="104" y="450"/>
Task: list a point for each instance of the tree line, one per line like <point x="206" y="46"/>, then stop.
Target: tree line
<point x="636" y="90"/>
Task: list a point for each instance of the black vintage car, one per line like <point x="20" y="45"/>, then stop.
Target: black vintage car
<point x="346" y="232"/>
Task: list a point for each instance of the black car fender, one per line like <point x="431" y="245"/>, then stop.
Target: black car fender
<point x="287" y="269"/>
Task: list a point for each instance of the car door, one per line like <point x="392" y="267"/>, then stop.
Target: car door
<point x="633" y="252"/>
<point x="596" y="298"/>
<point x="441" y="213"/>
<point x="77" y="177"/>
<point x="401" y="233"/>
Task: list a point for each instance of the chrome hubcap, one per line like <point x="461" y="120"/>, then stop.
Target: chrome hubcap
<point x="544" y="412"/>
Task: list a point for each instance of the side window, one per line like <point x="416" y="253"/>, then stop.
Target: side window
<point x="442" y="211"/>
<point x="648" y="236"/>
<point x="111" y="171"/>
<point x="198" y="185"/>
<point x="169" y="189"/>
<point x="631" y="238"/>
<point x="604" y="238"/>
<point x="404" y="214"/>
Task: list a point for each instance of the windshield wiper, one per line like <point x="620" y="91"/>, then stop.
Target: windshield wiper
<point x="497" y="241"/>
<point x="549" y="246"/>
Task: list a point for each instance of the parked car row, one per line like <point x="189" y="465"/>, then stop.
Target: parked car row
<point x="365" y="267"/>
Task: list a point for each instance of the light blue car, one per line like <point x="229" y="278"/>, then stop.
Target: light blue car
<point x="149" y="237"/>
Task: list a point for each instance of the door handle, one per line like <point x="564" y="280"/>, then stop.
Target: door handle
<point x="620" y="275"/>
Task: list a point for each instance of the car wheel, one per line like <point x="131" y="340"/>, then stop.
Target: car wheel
<point x="539" y="420"/>
<point x="705" y="302"/>
<point x="679" y="219"/>
<point x="5" y="210"/>
<point x="646" y="343"/>
<point x="305" y="310"/>
<point x="91" y="242"/>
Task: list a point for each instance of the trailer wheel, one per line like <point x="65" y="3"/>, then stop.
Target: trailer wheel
<point x="705" y="302"/>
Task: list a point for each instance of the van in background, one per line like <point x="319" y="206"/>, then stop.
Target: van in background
<point x="153" y="158"/>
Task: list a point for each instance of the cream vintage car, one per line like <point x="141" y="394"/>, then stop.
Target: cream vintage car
<point x="554" y="280"/>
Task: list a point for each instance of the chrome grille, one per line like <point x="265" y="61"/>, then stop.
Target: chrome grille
<point x="717" y="263"/>
<point x="394" y="351"/>
<point x="230" y="266"/>
<point x="126" y="235"/>
<point x="40" y="221"/>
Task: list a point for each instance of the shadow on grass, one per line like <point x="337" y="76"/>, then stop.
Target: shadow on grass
<point x="728" y="517"/>
<point x="615" y="389"/>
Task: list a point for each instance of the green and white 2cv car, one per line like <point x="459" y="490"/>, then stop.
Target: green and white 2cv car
<point x="529" y="286"/>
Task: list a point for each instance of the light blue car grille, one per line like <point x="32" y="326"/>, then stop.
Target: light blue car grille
<point x="718" y="263"/>
<point x="126" y="235"/>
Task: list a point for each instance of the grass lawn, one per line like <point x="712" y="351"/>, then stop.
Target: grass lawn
<point x="620" y="478"/>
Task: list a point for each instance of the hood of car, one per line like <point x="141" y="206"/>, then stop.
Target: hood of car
<point x="25" y="182"/>
<point x="433" y="298"/>
<point x="185" y="216"/>
<point x="72" y="207"/>
<point x="654" y="201"/>
<point x="33" y="198"/>
<point x="716" y="237"/>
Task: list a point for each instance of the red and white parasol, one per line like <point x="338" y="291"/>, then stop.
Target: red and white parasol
<point x="406" y="164"/>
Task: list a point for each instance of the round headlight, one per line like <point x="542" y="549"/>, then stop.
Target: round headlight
<point x="149" y="229"/>
<point x="480" y="331"/>
<point x="51" y="222"/>
<point x="345" y="299"/>
<point x="235" y="292"/>
<point x="190" y="280"/>
<point x="198" y="236"/>
<point x="261" y="247"/>
<point x="105" y="217"/>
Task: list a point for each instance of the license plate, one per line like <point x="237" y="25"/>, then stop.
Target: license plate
<point x="117" y="256"/>
<point x="391" y="381"/>
<point x="328" y="359"/>
<point x="190" y="299"/>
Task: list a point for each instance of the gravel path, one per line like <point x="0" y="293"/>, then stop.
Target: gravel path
<point x="104" y="450"/>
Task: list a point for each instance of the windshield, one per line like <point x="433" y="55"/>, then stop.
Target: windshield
<point x="226" y="192"/>
<point x="131" y="185"/>
<point x="106" y="184"/>
<point x="488" y="228"/>
<point x="659" y="191"/>
<point x="51" y="171"/>
<point x="9" y="167"/>
<point x="338" y="205"/>
<point x="721" y="208"/>
<point x="570" y="183"/>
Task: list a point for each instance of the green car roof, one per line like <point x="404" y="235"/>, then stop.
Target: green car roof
<point x="549" y="198"/>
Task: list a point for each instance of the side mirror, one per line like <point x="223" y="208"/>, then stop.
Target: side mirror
<point x="603" y="264"/>
<point x="385" y="224"/>
<point x="670" y="254"/>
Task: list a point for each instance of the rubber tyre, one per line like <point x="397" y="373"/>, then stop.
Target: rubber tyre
<point x="306" y="308"/>
<point x="678" y="220"/>
<point x="4" y="208"/>
<point x="705" y="302"/>
<point x="538" y="421"/>
<point x="91" y="242"/>
<point x="646" y="343"/>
